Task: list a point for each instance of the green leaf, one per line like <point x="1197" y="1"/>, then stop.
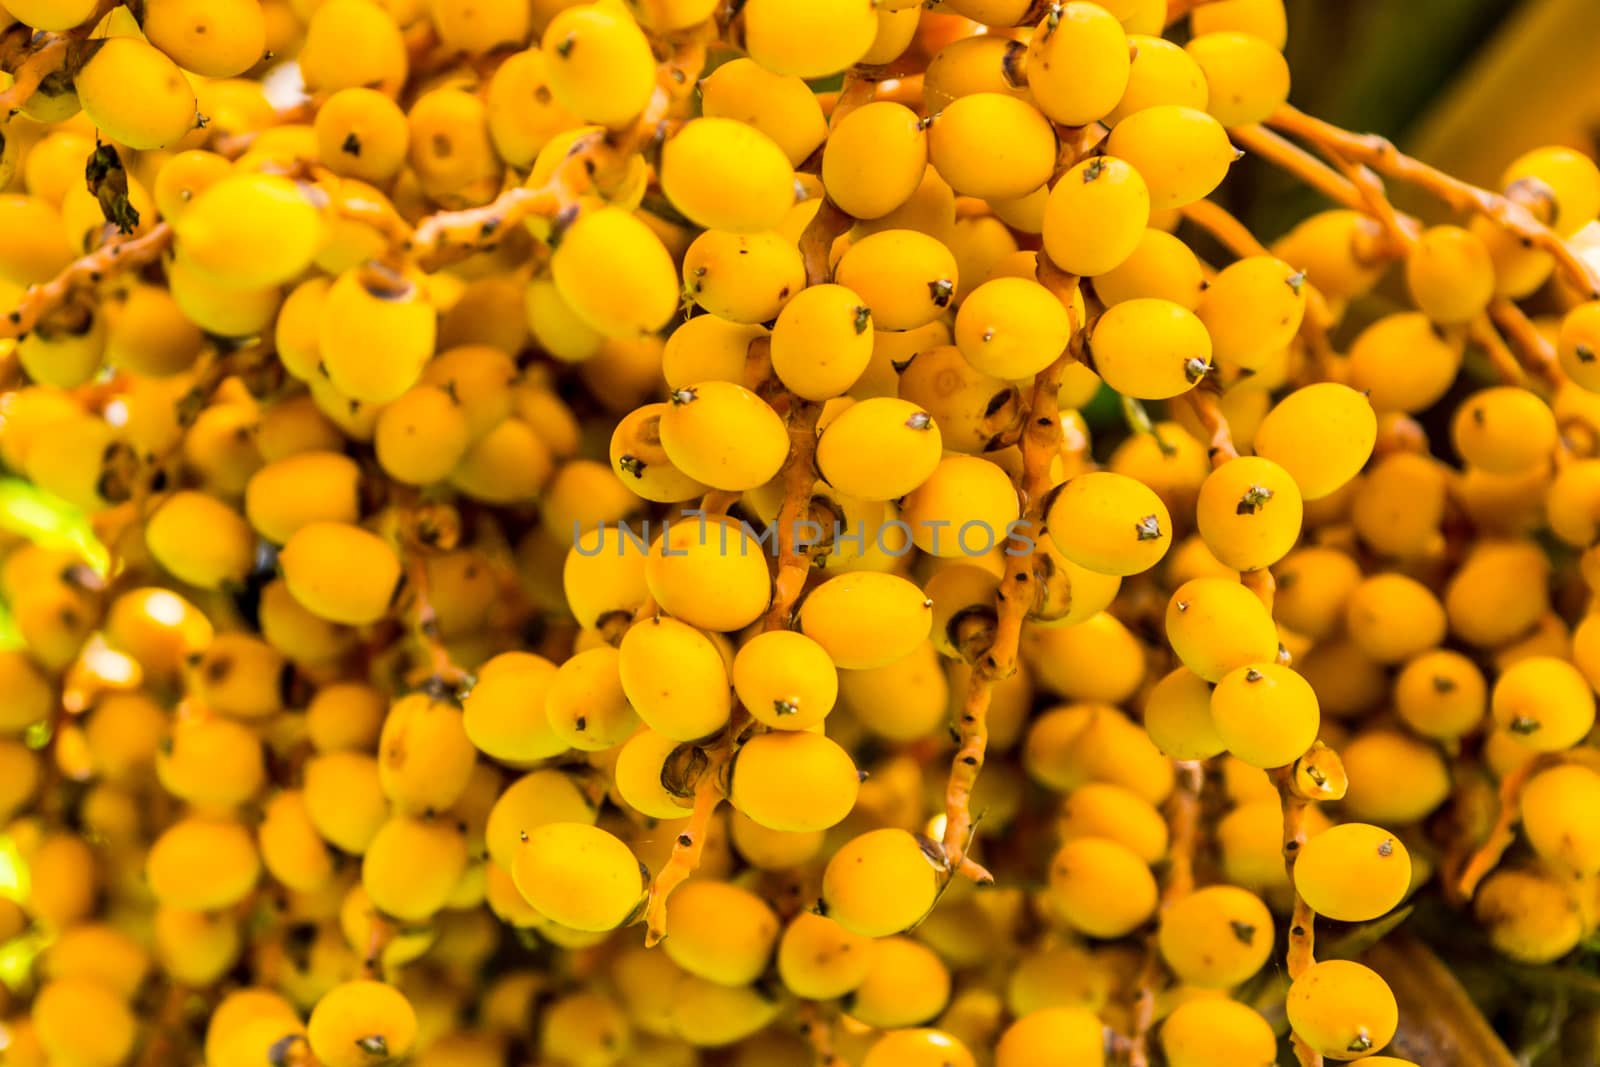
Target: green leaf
<point x="48" y="520"/>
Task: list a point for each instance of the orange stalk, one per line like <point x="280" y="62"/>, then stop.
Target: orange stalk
<point x="118" y="254"/>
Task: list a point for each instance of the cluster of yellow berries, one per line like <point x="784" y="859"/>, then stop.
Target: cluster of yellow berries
<point x="512" y="429"/>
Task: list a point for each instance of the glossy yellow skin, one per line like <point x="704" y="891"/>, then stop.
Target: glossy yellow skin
<point x="1160" y="266"/>
<point x="64" y="880"/>
<point x="906" y="436"/>
<point x="965" y="507"/>
<point x="60" y="1009"/>
<point x="450" y="151"/>
<point x="358" y="1022"/>
<point x="585" y="705"/>
<point x="1342" y="1009"/>
<point x="411" y="866"/>
<point x="1161" y="73"/>
<point x="723" y="435"/>
<point x="1441" y="694"/>
<point x="1394" y="778"/>
<point x="1249" y="513"/>
<point x="901" y="700"/>
<point x="201" y="540"/>
<point x="1104" y="809"/>
<point x="479" y="29"/>
<point x="1094" y="742"/>
<point x="1353" y="872"/>
<point x="598" y="63"/>
<point x="971" y="408"/>
<point x="504" y="715"/>
<point x="615" y="274"/>
<point x="1450" y="274"/>
<point x="880" y="883"/>
<point x="1069" y="593"/>
<point x="1052" y="1037"/>
<point x="821" y="959"/>
<point x="194" y="947"/>
<point x="992" y="145"/>
<point x="639" y="765"/>
<point x="710" y="573"/>
<point x="308" y="487"/>
<point x="1401" y="506"/>
<point x="822" y="341"/>
<point x="1503" y="430"/>
<point x="536" y="798"/>
<point x="36" y="247"/>
<point x="1336" y="248"/>
<point x="1182" y="153"/>
<point x="136" y="94"/>
<point x="1246" y="76"/>
<point x="1177" y="715"/>
<point x="50" y="14"/>
<point x="874" y="159"/>
<point x="1216" y="937"/>
<point x="785" y="680"/>
<point x="578" y="875"/>
<point x="508" y="466"/>
<point x="147" y="334"/>
<point x="1218" y="1032"/>
<point x="1109" y="523"/>
<point x="203" y="864"/>
<point x="1266" y="714"/>
<point x="1252" y="309"/>
<point x="1392" y="618"/>
<point x="318" y="565"/>
<point x="1101" y="888"/>
<point x="1314" y="584"/>
<point x="1012" y="328"/>
<point x="708" y="348"/>
<point x="266" y="211"/>
<point x="781" y="106"/>
<point x="291" y="850"/>
<point x="425" y="753"/>
<point x="1216" y="625"/>
<point x="1061" y="658"/>
<point x="721" y="932"/>
<point x="1566" y="178"/>
<point x="1498" y="593"/>
<point x="360" y="312"/>
<point x="603" y="576"/>
<point x="421" y="436"/>
<point x="212" y="762"/>
<point x="866" y="619"/>
<point x="331" y="59"/>
<point x="1553" y="805"/>
<point x="523" y="113"/>
<point x="744" y="278"/>
<point x="218" y="40"/>
<point x="918" y="1048"/>
<point x="809" y="38"/>
<point x="1530" y="917"/>
<point x="584" y="1028"/>
<point x="1321" y="434"/>
<point x="770" y="767"/>
<point x="1095" y="216"/>
<point x="65" y="357"/>
<point x="675" y="678"/>
<point x="1078" y="64"/>
<point x="724" y="175"/>
<point x="1150" y="348"/>
<point x="907" y="984"/>
<point x="1545" y="702"/>
<point x="907" y="278"/>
